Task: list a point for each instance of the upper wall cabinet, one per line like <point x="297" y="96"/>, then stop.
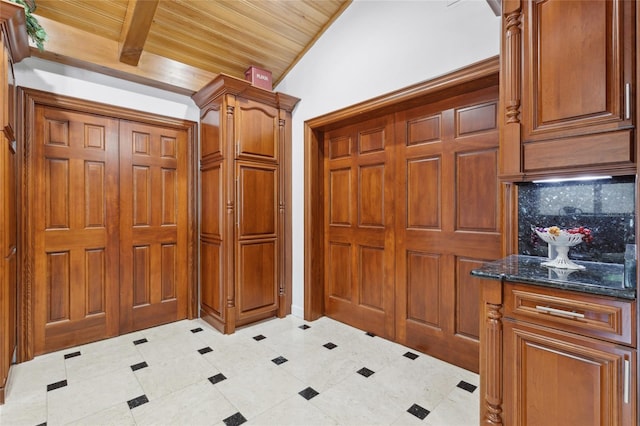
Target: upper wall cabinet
<point x="567" y="87"/>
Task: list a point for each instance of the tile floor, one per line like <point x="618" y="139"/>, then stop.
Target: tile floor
<point x="278" y="372"/>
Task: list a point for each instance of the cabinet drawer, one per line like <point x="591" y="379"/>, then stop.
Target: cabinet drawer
<point x="589" y="315"/>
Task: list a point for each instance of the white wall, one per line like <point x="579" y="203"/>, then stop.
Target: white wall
<point x="52" y="77"/>
<point x="373" y="48"/>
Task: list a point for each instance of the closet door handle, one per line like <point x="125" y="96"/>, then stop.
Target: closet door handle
<point x="559" y="312"/>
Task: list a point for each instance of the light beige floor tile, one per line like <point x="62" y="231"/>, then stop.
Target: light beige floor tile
<point x="294" y="411"/>
<point x="259" y="389"/>
<point x="95" y="362"/>
<point x="197" y="404"/>
<point x="118" y="415"/>
<point x="81" y="399"/>
<point x="162" y="379"/>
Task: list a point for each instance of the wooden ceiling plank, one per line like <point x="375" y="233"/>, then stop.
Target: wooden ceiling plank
<point x="100" y="54"/>
<point x="136" y="29"/>
<point x="103" y="18"/>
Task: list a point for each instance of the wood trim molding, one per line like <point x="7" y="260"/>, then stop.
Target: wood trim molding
<point x="28" y="99"/>
<point x="473" y="77"/>
<point x="14" y="26"/>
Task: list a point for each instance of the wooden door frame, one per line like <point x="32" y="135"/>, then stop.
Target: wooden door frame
<point x="28" y="99"/>
<point x="473" y="77"/>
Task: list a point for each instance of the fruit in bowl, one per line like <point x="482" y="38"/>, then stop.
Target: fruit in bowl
<point x="561" y="240"/>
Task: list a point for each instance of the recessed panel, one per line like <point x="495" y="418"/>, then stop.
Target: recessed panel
<point x="423" y="130"/>
<point x="258" y="191"/>
<point x="168" y="148"/>
<point x="339" y="147"/>
<point x="477" y="118"/>
<point x="141" y="196"/>
<point x="57" y="193"/>
<point x="211" y="201"/>
<point x="57" y="132"/>
<point x="258" y="134"/>
<point x="423" y="193"/>
<point x="95" y="280"/>
<point x="210" y="134"/>
<point x="58" y="286"/>
<point x="169" y="196"/>
<point x="371" y="196"/>
<point x="141" y="275"/>
<point x="94" y="136"/>
<point x="211" y="277"/>
<point x="371" y="141"/>
<point x="477" y="190"/>
<point x="372" y="277"/>
<point x="423" y="288"/>
<point x="467" y="297"/>
<point x="257" y="285"/>
<point x="339" y="274"/>
<point x="340" y="197"/>
<point x="141" y="143"/>
<point x="94" y="196"/>
<point x="168" y="273"/>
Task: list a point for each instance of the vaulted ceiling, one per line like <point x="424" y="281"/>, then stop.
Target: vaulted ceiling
<point x="180" y="45"/>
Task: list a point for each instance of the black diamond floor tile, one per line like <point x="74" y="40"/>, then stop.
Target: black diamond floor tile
<point x="418" y="411"/>
<point x="196" y="330"/>
<point x="259" y="337"/>
<point x="56" y="385"/>
<point x="411" y="355"/>
<point x="304" y="326"/>
<point x="364" y="371"/>
<point x="72" y="355"/>
<point x="330" y="345"/>
<point x="370" y="334"/>
<point x="308" y="393"/>
<point x="138" y="366"/>
<point x="205" y="350"/>
<point x="467" y="386"/>
<point x="217" y="378"/>
<point x="136" y="402"/>
<point x="279" y="360"/>
<point x="235" y="420"/>
<point x="140" y="341"/>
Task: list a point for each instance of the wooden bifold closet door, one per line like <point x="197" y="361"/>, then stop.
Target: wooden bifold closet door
<point x="110" y="227"/>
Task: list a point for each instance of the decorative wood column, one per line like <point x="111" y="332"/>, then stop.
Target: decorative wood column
<point x="491" y="354"/>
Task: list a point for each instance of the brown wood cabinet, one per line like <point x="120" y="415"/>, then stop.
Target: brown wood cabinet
<point x="14" y="49"/>
<point x="556" y="357"/>
<point x="245" y="202"/>
<point x="568" y="88"/>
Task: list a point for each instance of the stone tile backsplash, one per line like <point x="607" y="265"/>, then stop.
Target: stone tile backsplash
<point x="606" y="206"/>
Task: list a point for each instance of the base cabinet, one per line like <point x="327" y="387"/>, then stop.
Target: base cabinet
<point x="245" y="217"/>
<point x="556" y="378"/>
<point x="556" y="357"/>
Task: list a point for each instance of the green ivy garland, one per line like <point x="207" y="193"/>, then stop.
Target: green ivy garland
<point x="34" y="30"/>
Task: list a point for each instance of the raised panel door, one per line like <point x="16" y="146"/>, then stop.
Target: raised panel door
<point x="257" y="127"/>
<point x="153" y="225"/>
<point x="75" y="227"/>
<point x="258" y="240"/>
<point x="359" y="232"/>
<point x="556" y="378"/>
<point x="447" y="219"/>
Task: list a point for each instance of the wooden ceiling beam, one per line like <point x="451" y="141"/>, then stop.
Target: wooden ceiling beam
<point x="135" y="29"/>
<point x="101" y="55"/>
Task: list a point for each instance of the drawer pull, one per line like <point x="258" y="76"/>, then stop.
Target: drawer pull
<point x="559" y="312"/>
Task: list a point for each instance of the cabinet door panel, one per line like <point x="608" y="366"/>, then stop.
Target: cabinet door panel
<point x="574" y="67"/>
<point x="563" y="379"/>
<point x="256" y="131"/>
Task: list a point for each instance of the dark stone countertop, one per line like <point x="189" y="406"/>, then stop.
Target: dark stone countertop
<point x="597" y="278"/>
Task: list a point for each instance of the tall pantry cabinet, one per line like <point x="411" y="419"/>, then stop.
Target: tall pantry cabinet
<point x="15" y="47"/>
<point x="245" y="201"/>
